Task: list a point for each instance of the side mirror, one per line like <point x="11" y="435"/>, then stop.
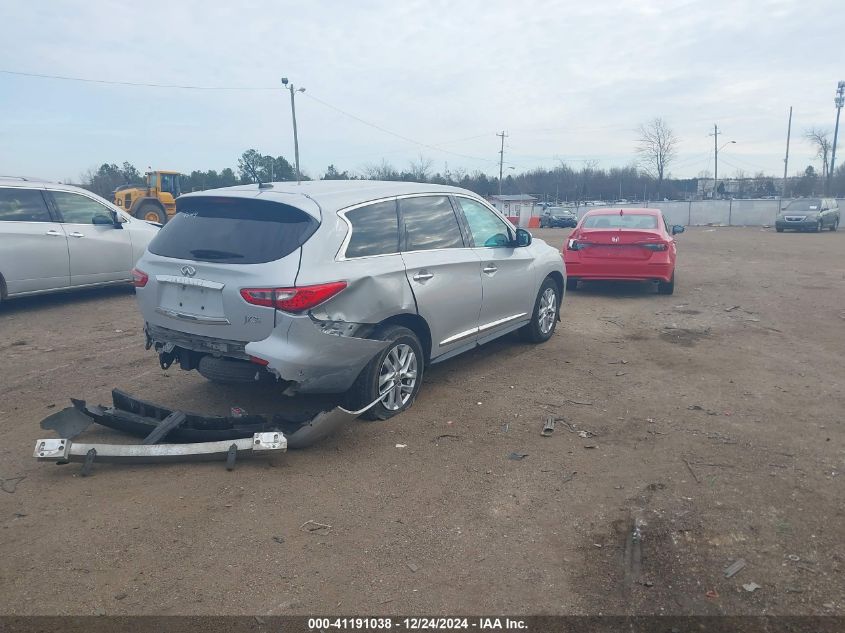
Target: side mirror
<point x="523" y="237"/>
<point x="115" y="219"/>
<point x="677" y="228"/>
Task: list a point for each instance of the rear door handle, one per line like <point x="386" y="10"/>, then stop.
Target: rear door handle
<point x="489" y="269"/>
<point x="53" y="232"/>
<point x="423" y="275"/>
<point x="76" y="234"/>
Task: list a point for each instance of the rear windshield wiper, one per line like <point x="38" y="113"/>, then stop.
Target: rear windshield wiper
<point x="213" y="254"/>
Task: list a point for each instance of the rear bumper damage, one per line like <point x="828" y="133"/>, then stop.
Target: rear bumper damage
<point x="189" y="436"/>
<point x="312" y="355"/>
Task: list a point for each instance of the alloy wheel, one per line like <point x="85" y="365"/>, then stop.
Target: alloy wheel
<point x="547" y="310"/>
<point x="398" y="377"/>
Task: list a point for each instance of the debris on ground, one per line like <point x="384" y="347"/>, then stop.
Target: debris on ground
<point x="582" y="402"/>
<point x="751" y="587"/>
<point x="621" y="361"/>
<point x="401" y="446"/>
<point x="279" y="539"/>
<point x="412" y="567"/>
<point x="450" y="436"/>
<point x="731" y="309"/>
<point x="567" y="478"/>
<point x="517" y="456"/>
<point x="591" y="445"/>
<point x="11" y="484"/>
<point x="314" y="526"/>
<point x="712" y="594"/>
<point x="734" y="568"/>
<point x="505" y="427"/>
<point x="548" y="427"/>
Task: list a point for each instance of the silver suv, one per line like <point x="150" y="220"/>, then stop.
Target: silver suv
<point x="348" y="287"/>
<point x="56" y="237"/>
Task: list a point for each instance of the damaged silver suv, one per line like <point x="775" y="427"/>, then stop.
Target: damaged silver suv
<point x="350" y="287"/>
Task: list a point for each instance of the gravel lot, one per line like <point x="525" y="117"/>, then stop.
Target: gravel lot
<point x="712" y="419"/>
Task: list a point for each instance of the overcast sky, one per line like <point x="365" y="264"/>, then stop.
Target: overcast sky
<point x="568" y="81"/>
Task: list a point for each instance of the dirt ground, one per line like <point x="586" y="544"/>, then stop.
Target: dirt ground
<point x="709" y="421"/>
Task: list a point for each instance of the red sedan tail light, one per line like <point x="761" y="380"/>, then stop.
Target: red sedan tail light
<point x="654" y="246"/>
<point x="293" y="299"/>
<point x="139" y="278"/>
<point x="576" y="245"/>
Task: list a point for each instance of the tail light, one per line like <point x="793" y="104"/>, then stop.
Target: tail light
<point x="575" y="245"/>
<point x="139" y="278"/>
<point x="259" y="361"/>
<point x="293" y="299"/>
<point x="654" y="246"/>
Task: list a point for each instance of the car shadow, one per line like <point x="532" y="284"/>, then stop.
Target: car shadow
<point x="55" y="299"/>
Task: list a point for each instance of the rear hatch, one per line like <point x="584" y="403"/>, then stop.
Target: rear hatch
<point x="214" y="247"/>
<point x="631" y="244"/>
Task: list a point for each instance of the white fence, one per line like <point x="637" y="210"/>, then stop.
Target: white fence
<point x="702" y="212"/>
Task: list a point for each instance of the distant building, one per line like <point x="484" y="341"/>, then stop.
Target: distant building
<point x="521" y="206"/>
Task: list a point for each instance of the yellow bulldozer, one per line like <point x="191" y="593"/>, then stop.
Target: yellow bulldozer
<point x="156" y="202"/>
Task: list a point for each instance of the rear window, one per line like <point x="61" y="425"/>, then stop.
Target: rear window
<point x="624" y="221"/>
<point x="22" y="205"/>
<point x="233" y="231"/>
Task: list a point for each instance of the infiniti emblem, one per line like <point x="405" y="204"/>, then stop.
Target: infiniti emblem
<point x="188" y="271"/>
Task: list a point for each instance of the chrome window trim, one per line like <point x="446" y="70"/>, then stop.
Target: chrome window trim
<point x="341" y="213"/>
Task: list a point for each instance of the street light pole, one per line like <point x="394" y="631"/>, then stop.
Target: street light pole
<point x="293" y="90"/>
<point x="839" y="101"/>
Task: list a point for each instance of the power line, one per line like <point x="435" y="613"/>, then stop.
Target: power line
<point x="392" y="133"/>
<point x="132" y="83"/>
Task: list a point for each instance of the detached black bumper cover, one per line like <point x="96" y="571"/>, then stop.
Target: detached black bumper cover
<point x="188" y="435"/>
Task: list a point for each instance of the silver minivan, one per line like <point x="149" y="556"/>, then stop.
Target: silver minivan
<point x="56" y="237"/>
<point x="350" y="287"/>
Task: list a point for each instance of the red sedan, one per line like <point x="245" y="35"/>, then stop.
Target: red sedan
<point x="622" y="244"/>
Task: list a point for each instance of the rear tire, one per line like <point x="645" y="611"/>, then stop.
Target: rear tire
<point x="404" y="349"/>
<point x="835" y="225"/>
<point x="545" y="315"/>
<point x="779" y="230"/>
<point x="151" y="213"/>
<point x="666" y="287"/>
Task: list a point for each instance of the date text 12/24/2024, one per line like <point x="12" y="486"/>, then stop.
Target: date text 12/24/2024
<point x="416" y="623"/>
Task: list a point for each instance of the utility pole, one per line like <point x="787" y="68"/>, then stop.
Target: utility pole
<point x="293" y="91"/>
<point x="786" y="158"/>
<point x="501" y="159"/>
<point x="716" y="150"/>
<point x="715" y="158"/>
<point x="839" y="101"/>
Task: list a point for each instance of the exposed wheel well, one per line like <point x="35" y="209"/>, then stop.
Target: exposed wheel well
<point x="558" y="279"/>
<point x="417" y="325"/>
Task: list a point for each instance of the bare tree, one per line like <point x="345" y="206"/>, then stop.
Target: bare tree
<point x="656" y="149"/>
<point x="820" y="140"/>
<point x="421" y="169"/>
<point x="382" y="171"/>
